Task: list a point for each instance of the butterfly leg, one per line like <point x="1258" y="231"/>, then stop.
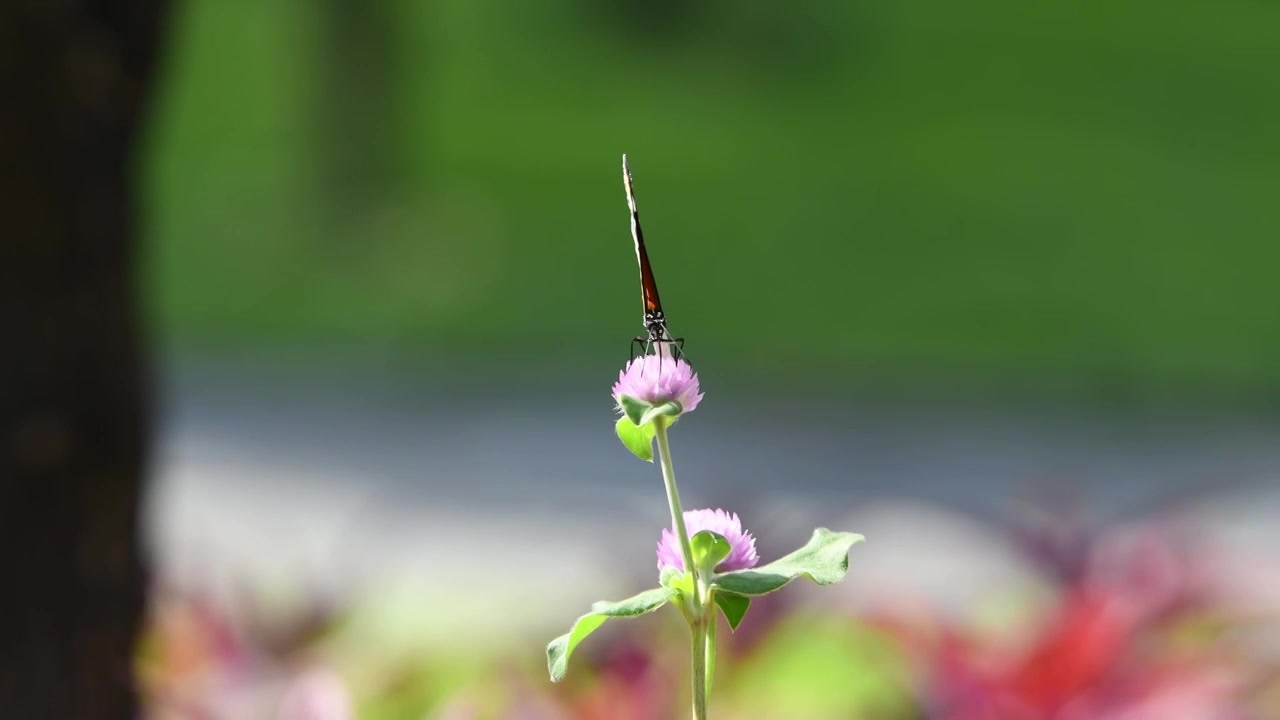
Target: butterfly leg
<point x="641" y="344"/>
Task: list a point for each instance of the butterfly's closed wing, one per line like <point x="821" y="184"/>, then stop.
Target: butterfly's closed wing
<point x="648" y="286"/>
<point x="655" y="321"/>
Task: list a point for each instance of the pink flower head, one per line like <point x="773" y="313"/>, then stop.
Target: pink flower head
<point x="743" y="553"/>
<point x="657" y="379"/>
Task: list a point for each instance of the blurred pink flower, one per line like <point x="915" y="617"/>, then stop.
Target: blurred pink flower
<point x="316" y="694"/>
<point x="632" y="685"/>
<point x="1145" y="572"/>
<point x="741" y="556"/>
<point x="657" y="379"/>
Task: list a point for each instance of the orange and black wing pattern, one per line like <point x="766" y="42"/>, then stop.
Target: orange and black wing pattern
<point x="648" y="286"/>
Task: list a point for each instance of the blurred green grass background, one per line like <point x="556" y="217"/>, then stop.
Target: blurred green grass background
<point x="998" y="190"/>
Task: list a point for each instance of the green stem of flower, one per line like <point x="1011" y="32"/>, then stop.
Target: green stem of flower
<point x="698" y="623"/>
<point x="673" y="500"/>
<point x="699" y="660"/>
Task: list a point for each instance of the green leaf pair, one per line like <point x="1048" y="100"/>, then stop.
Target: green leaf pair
<point x="635" y="427"/>
<point x="824" y="559"/>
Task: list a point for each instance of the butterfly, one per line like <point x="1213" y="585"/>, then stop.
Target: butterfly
<point x="655" y="321"/>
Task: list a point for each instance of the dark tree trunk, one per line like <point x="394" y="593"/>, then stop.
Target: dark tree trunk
<point x="74" y="76"/>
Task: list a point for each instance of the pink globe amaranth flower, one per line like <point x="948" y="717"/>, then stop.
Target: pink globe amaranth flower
<point x="658" y="379"/>
<point x="741" y="556"/>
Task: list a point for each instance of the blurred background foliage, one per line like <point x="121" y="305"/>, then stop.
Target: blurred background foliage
<point x="838" y="196"/>
<point x="1082" y="192"/>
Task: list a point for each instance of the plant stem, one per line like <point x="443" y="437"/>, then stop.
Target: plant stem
<point x="673" y="500"/>
<point x="699" y="661"/>
<point x="698" y="623"/>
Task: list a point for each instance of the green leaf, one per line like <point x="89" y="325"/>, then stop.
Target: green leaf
<point x="733" y="606"/>
<point x="678" y="580"/>
<point x="681" y="584"/>
<point x="559" y="650"/>
<point x="670" y="409"/>
<point x="633" y="408"/>
<point x="709" y="550"/>
<point x="671" y="576"/>
<point x="639" y="440"/>
<point x="824" y="559"/>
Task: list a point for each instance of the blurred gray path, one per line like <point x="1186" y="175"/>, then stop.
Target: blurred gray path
<point x="357" y="478"/>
